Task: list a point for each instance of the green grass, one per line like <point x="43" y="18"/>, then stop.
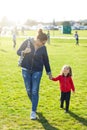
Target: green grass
<point x="15" y="106"/>
<point x="82" y="33"/>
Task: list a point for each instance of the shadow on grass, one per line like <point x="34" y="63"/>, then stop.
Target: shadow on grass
<point x="3" y="50"/>
<point x="78" y="118"/>
<point x="45" y="123"/>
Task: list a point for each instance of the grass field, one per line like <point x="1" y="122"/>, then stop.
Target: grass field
<point x="82" y="33"/>
<point x="14" y="104"/>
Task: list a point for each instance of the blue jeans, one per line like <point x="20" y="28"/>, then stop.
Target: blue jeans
<point x="32" y="82"/>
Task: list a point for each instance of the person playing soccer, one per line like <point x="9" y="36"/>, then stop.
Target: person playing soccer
<point x="66" y="85"/>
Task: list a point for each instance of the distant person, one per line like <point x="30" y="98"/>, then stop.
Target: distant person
<point x="35" y="57"/>
<point x="77" y="38"/>
<point x="66" y="84"/>
<point x="14" y="40"/>
<point x="48" y="37"/>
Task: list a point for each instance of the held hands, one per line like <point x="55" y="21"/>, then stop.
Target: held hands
<point x="50" y="76"/>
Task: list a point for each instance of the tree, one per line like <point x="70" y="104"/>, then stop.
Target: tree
<point x="30" y="22"/>
<point x="54" y="23"/>
<point x="66" y="23"/>
<point x="4" y="21"/>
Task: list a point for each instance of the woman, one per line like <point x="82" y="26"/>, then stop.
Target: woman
<point x="35" y="57"/>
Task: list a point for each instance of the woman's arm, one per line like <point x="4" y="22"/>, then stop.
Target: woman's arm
<point x="46" y="61"/>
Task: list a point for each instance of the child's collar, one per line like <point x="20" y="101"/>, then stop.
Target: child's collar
<point x="65" y="76"/>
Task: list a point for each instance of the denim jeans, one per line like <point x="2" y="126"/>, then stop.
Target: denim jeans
<point x="32" y="82"/>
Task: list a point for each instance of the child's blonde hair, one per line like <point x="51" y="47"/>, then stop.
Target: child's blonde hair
<point x="70" y="70"/>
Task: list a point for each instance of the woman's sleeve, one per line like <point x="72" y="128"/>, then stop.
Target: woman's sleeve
<point x="72" y="84"/>
<point x="56" y="78"/>
<point x="46" y="61"/>
<point x="22" y="48"/>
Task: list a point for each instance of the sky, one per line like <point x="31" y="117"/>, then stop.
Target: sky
<point x="43" y="10"/>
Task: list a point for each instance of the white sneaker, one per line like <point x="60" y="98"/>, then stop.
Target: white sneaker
<point x="33" y="115"/>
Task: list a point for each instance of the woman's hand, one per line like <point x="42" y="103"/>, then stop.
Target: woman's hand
<point x="50" y="76"/>
<point x="27" y="50"/>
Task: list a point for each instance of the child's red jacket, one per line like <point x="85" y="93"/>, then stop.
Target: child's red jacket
<point x="66" y="83"/>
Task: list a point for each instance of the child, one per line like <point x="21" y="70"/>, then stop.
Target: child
<point x="77" y="38"/>
<point x="66" y="84"/>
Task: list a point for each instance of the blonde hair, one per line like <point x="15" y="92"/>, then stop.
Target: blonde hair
<point x="70" y="70"/>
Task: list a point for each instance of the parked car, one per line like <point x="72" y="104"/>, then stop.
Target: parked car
<point x="85" y="27"/>
<point x="81" y="27"/>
